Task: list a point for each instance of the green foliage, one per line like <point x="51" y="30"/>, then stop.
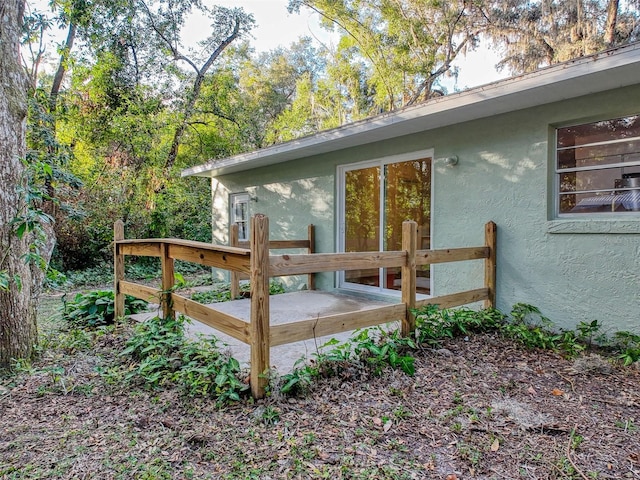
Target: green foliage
<point x="530" y="328"/>
<point x="589" y="332"/>
<point x="163" y="357"/>
<point x="377" y="348"/>
<point x="213" y="296"/>
<point x="300" y="379"/>
<point x="96" y="308"/>
<point x="628" y="344"/>
<point x="433" y="325"/>
<point x="374" y="348"/>
<point x="4" y="281"/>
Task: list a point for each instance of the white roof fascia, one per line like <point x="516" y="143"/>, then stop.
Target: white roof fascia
<point x="587" y="75"/>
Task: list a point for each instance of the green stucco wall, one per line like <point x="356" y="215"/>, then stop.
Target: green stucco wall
<point x="573" y="270"/>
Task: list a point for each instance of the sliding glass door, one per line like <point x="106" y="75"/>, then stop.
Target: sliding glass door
<point x="376" y="198"/>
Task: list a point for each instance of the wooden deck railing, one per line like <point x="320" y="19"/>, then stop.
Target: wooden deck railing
<point x="307" y="244"/>
<point x="259" y="265"/>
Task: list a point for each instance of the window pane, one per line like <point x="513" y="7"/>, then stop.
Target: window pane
<point x="240" y="214"/>
<point x="362" y="220"/>
<point x="407" y="197"/>
<point x="606" y="179"/>
<point x="602" y="131"/>
<point x="623" y="152"/>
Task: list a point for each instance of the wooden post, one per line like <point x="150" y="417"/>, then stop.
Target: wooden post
<point x="490" y="264"/>
<point x="168" y="281"/>
<point x="409" y="245"/>
<point x="311" y="234"/>
<point x="118" y="269"/>
<point x="259" y="327"/>
<point x="235" y="276"/>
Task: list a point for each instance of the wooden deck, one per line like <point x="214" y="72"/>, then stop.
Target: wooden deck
<point x="256" y="327"/>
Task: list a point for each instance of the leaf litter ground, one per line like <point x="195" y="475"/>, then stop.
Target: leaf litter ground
<point x="480" y="407"/>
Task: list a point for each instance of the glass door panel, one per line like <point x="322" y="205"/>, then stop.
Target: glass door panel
<point x="407" y="196"/>
<point x="362" y="220"/>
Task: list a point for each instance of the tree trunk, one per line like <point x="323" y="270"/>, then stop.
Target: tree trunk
<point x="18" y="332"/>
<point x="193" y="97"/>
<point x="62" y="66"/>
<point x="612" y="21"/>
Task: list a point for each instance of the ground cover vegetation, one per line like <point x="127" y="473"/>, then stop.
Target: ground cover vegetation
<point x="473" y="394"/>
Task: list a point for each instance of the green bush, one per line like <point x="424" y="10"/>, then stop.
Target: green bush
<point x="434" y="325"/>
<point x="164" y="357"/>
<point x="96" y="308"/>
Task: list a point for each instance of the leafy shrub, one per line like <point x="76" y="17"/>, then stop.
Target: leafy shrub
<point x="628" y="346"/>
<point x="164" y="357"/>
<point x="379" y="347"/>
<point x="433" y="325"/>
<point x="530" y="328"/>
<point x="96" y="308"/>
<point x="372" y="348"/>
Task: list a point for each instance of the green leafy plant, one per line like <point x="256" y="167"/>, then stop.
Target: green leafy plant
<point x="433" y="325"/>
<point x="529" y="327"/>
<point x="96" y="308"/>
<point x="390" y="349"/>
<point x="300" y="379"/>
<point x="628" y="344"/>
<point x="163" y="356"/>
<point x="588" y="332"/>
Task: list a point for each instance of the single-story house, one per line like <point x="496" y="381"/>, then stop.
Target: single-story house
<point x="553" y="157"/>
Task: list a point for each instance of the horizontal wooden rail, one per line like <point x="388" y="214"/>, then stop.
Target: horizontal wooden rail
<point x="332" y="324"/>
<point x="281" y="244"/>
<point x="456" y="299"/>
<point x="211" y="258"/>
<point x="233" y="326"/>
<point x="143" y="292"/>
<point x="281" y="265"/>
<point x="186" y="243"/>
<point x="428" y="257"/>
<point x="141" y="249"/>
<point x="219" y="256"/>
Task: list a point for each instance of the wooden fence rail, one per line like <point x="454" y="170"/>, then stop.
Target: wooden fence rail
<point x="307" y="244"/>
<point x="254" y="259"/>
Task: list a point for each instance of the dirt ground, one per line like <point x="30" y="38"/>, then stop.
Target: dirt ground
<point x="480" y="407"/>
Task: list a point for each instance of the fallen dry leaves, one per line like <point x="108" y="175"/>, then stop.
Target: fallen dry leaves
<point x="479" y="413"/>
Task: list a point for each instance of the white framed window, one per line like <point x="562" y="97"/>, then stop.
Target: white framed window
<point x="239" y="215"/>
<point x="597" y="168"/>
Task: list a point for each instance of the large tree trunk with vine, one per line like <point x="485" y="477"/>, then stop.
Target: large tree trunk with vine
<point x="18" y="332"/>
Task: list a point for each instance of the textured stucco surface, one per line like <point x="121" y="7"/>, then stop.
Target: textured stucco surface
<point x="572" y="269"/>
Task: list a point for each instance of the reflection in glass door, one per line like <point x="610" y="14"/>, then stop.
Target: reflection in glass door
<point x="377" y="199"/>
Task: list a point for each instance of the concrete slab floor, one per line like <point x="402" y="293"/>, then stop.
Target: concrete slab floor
<point x="285" y="308"/>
